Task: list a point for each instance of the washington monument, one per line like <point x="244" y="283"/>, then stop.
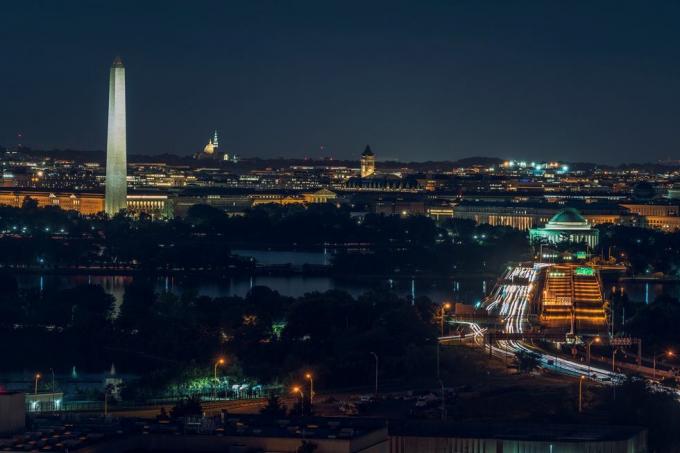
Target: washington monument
<point x="115" y="197"/>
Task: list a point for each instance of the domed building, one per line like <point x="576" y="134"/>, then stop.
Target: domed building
<point x="567" y="226"/>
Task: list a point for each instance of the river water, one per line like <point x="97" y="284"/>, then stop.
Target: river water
<point x="469" y="291"/>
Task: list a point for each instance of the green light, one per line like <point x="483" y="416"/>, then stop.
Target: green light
<point x="586" y="271"/>
<point x="581" y="255"/>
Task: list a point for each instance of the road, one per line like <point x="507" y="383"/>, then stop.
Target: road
<point x="510" y="300"/>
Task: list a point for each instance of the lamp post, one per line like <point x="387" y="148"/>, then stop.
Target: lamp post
<point x="614" y="359"/>
<point x="37" y="377"/>
<point x="580" y="394"/>
<point x="52" y="371"/>
<point x="667" y="353"/>
<point x="311" y="387"/>
<point x="375" y="356"/>
<point x="219" y="362"/>
<point x="297" y="389"/>
<point x="589" y="344"/>
<point x="444" y="307"/>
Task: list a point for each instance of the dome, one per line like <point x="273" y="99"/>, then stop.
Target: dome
<point x="569" y="215"/>
<point x="209" y="148"/>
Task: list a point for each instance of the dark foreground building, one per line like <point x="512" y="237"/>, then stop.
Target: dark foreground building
<point x="254" y="433"/>
<point x="437" y="437"/>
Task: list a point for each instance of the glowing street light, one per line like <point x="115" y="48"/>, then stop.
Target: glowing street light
<point x="445" y="306"/>
<point x="667" y="354"/>
<point x="597" y="340"/>
<point x="297" y="389"/>
<point x="311" y="387"/>
<point x="219" y="362"/>
<point x="37" y="378"/>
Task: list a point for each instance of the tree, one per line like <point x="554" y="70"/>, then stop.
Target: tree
<point x="526" y="361"/>
<point x="188" y="407"/>
<point x="637" y="403"/>
<point x="138" y="305"/>
<point x="657" y="323"/>
<point x="29" y="204"/>
<point x="307" y="447"/>
<point x="274" y="407"/>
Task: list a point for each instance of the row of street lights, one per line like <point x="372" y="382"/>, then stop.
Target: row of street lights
<point x="598" y="340"/>
<point x="296" y="389"/>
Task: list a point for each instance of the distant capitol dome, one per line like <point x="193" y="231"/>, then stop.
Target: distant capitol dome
<point x="209" y="148"/>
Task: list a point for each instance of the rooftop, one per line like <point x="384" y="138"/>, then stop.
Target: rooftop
<point x="514" y="431"/>
<point x="568" y="215"/>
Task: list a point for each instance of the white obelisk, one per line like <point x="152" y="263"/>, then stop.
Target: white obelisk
<point x="115" y="197"/>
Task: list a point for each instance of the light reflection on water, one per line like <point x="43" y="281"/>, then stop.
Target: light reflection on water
<point x="468" y="291"/>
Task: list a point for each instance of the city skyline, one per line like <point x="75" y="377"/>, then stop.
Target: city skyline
<point x="436" y="81"/>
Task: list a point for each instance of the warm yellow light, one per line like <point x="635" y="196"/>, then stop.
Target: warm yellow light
<point x="447" y="306"/>
<point x="220" y="361"/>
<point x="670" y="353"/>
<point x="308" y="375"/>
<point x="38" y="375"/>
<point x="295" y="389"/>
<point x="597" y="339"/>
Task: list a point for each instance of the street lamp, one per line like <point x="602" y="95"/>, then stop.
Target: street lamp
<point x="444" y="307"/>
<point x="667" y="353"/>
<point x="311" y="387"/>
<point x="580" y="393"/>
<point x="375" y="356"/>
<point x="219" y="362"/>
<point x="37" y="377"/>
<point x="589" y="344"/>
<point x="297" y="389"/>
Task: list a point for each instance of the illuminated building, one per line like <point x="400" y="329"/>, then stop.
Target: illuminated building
<point x="528" y="215"/>
<point x="88" y="203"/>
<point x="665" y="217"/>
<point x="156" y="205"/>
<point x="567" y="226"/>
<point x="84" y="203"/>
<point x="116" y="148"/>
<point x="320" y="196"/>
<point x="367" y="162"/>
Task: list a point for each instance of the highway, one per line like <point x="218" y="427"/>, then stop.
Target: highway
<point x="510" y="300"/>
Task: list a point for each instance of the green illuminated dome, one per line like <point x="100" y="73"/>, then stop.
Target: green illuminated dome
<point x="569" y="215"/>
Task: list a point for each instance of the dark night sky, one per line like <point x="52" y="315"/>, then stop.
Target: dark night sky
<point x="419" y="80"/>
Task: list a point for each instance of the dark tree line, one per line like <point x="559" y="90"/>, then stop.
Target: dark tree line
<point x="54" y="239"/>
<point x="167" y="338"/>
